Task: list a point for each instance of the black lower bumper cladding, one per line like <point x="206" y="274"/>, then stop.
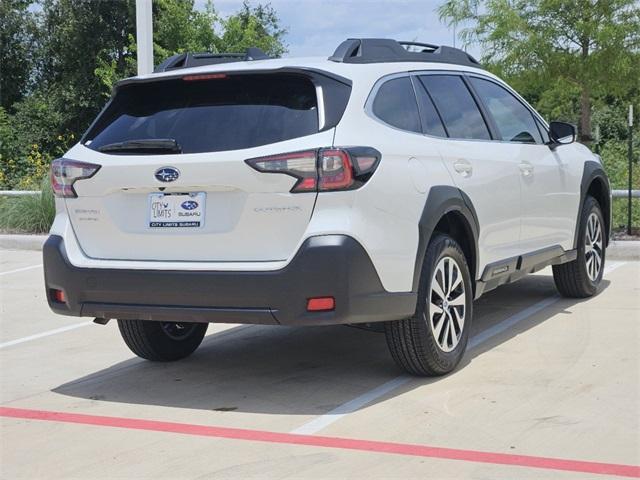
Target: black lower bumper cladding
<point x="330" y="265"/>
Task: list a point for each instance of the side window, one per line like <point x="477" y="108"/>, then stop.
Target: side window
<point x="456" y="106"/>
<point x="395" y="104"/>
<point x="431" y="122"/>
<point x="514" y="121"/>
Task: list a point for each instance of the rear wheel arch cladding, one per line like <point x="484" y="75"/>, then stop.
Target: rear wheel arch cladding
<point x="443" y="200"/>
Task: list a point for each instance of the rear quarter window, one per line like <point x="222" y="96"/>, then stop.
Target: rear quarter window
<point x="395" y="104"/>
<point x="230" y="113"/>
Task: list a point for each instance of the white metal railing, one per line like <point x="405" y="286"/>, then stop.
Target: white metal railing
<point x="18" y="193"/>
<point x="625" y="193"/>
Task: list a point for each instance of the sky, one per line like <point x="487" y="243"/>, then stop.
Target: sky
<point x="316" y="27"/>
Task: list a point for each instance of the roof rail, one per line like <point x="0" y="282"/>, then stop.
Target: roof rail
<point x="186" y="60"/>
<point x="382" y="50"/>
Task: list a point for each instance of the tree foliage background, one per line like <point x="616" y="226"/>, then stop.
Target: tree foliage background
<point x="573" y="60"/>
<point x="60" y="58"/>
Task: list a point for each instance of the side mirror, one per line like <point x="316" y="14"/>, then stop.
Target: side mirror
<point x="562" y="133"/>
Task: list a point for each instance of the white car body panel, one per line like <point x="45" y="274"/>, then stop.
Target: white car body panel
<point x="110" y="217"/>
<point x="550" y="194"/>
<point x="493" y="187"/>
<point x="253" y="223"/>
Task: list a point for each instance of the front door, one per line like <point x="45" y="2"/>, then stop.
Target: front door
<point x="549" y="196"/>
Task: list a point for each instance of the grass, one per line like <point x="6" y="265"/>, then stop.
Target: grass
<point x="620" y="213"/>
<point x="29" y="214"/>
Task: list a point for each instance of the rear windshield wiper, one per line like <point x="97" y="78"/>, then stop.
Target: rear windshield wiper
<point x="145" y="145"/>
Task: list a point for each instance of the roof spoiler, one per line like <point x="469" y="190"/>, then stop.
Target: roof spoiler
<point x="187" y="60"/>
<point x="383" y="50"/>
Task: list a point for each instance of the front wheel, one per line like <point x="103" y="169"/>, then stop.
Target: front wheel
<point x="581" y="277"/>
<point x="162" y="341"/>
<point x="433" y="341"/>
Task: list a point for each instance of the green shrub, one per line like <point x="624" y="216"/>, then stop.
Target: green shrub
<point x="29" y="214"/>
<point x="616" y="163"/>
<point x="619" y="213"/>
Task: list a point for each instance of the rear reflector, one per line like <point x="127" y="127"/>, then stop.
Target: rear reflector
<point x="324" y="169"/>
<point x="58" y="296"/>
<point x="321" y="304"/>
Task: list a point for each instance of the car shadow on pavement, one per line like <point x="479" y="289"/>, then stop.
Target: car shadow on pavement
<point x="297" y="371"/>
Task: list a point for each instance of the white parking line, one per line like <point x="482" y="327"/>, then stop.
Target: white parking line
<point x="21" y="269"/>
<point x="44" y="334"/>
<point x="323" y="421"/>
<point x="351" y="406"/>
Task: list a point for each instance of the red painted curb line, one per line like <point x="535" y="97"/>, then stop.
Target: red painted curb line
<point x="631" y="471"/>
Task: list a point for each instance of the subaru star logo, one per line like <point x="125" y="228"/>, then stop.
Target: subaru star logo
<point x="189" y="205"/>
<point x="167" y="174"/>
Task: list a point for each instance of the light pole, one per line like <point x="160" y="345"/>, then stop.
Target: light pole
<point x="144" y="36"/>
<point x="630" y="168"/>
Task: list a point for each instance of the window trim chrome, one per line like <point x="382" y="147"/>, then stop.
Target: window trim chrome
<point x="320" y="103"/>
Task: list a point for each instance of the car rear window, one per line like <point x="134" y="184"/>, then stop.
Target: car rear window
<point x="229" y="113"/>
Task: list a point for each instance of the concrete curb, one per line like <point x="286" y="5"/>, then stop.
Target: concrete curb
<point x="624" y="250"/>
<point x="22" y="242"/>
<point x="618" y="249"/>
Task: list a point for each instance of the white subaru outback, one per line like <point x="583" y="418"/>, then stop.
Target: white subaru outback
<point x="393" y="182"/>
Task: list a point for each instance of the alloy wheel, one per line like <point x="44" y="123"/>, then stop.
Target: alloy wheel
<point x="177" y="330"/>
<point x="593" y="247"/>
<point x="447" y="304"/>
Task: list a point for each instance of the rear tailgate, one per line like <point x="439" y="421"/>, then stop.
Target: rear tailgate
<point x="239" y="214"/>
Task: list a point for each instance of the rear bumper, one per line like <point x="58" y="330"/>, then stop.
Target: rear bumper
<point x="330" y="265"/>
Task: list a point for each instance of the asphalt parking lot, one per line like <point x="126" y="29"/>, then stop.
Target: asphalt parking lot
<point x="549" y="389"/>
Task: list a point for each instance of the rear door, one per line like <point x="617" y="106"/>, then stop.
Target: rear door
<point x="214" y="207"/>
<point x="478" y="167"/>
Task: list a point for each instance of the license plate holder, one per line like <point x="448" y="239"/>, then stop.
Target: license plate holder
<point x="176" y="210"/>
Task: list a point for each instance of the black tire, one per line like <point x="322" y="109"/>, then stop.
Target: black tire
<point x="162" y="341"/>
<point x="572" y="279"/>
<point x="412" y="341"/>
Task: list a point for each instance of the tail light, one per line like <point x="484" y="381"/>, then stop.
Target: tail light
<point x="324" y="169"/>
<point x="64" y="173"/>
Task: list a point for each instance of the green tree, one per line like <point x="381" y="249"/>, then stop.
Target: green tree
<point x="588" y="48"/>
<point x="17" y="47"/>
<point x="178" y="28"/>
<point x="60" y="59"/>
<point x="253" y="27"/>
<point x="78" y="37"/>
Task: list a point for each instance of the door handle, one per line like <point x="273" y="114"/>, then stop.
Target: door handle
<point x="526" y="169"/>
<point x="463" y="167"/>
